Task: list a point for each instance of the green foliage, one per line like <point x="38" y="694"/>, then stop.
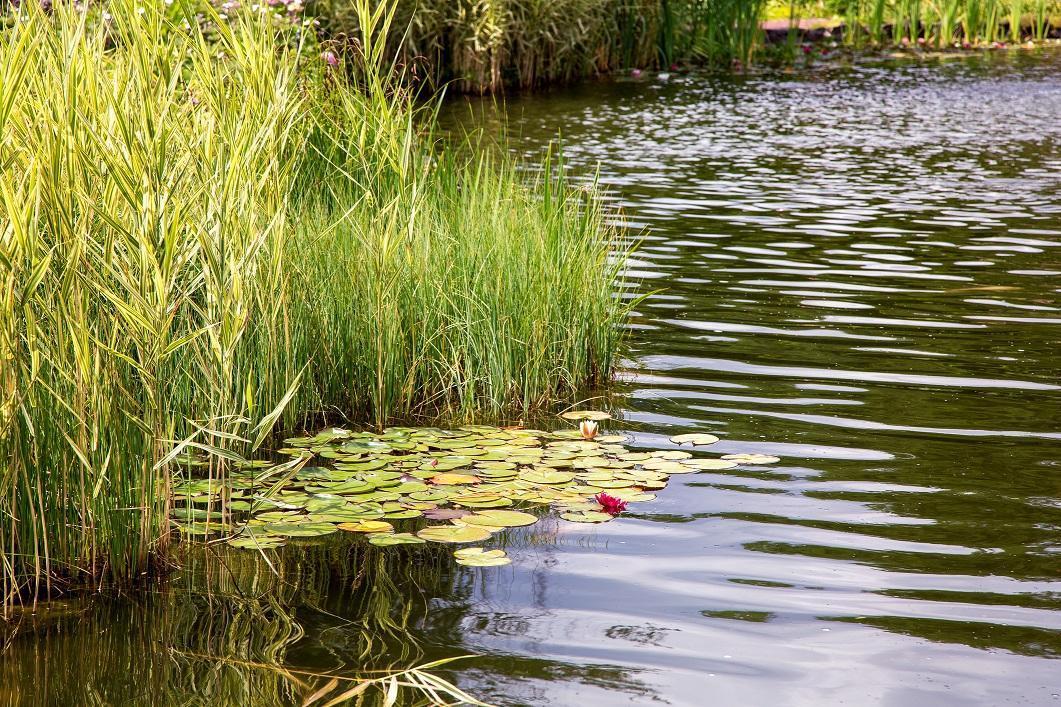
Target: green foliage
<point x="484" y="45"/>
<point x="938" y="22"/>
<point x="204" y="236"/>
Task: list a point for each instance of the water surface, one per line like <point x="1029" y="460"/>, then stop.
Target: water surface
<point x="856" y="270"/>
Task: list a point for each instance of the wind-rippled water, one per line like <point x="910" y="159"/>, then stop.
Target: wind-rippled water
<point x="856" y="270"/>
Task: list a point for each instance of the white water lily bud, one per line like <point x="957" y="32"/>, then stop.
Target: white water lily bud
<point x="588" y="428"/>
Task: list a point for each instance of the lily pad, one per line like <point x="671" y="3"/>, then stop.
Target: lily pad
<point x="696" y="439"/>
<point x="594" y="415"/>
<point x="444" y="513"/>
<point x="201" y="528"/>
<point x="367" y="526"/>
<point x="710" y="464"/>
<point x="547" y="476"/>
<point x="752" y="458"/>
<point x="500" y="519"/>
<point x="388" y="539"/>
<point x="671" y="454"/>
<point x="586" y="517"/>
<point x="453" y="479"/>
<point x="454" y="534"/>
<point x="300" y="530"/>
<point x="478" y="557"/>
<point x="254" y="541"/>
<point x="403" y="514"/>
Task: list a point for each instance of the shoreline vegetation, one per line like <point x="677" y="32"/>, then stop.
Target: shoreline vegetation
<point x="491" y="45"/>
<point x="212" y="228"/>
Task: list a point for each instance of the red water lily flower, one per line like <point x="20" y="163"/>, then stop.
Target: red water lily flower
<point x="610" y="504"/>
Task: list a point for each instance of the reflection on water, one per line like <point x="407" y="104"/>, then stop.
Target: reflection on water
<point x="857" y="271"/>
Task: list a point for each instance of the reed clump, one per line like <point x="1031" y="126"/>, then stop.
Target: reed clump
<point x="486" y="45"/>
<point x="209" y="229"/>
<point x="938" y="23"/>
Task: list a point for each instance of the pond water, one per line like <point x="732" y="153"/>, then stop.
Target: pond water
<point x="854" y="269"/>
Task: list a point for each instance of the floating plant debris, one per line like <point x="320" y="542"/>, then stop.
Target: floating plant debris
<point x="458" y="486"/>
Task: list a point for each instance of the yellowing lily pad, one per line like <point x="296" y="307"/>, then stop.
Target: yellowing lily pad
<point x="454" y="534"/>
<point x="696" y="439"/>
<point x="710" y="464"/>
<point x="547" y="476"/>
<point x="478" y="557"/>
<point x="671" y="454"/>
<point x="367" y="526"/>
<point x="500" y="519"/>
<point x="752" y="458"/>
<point x="594" y="415"/>
<point x="477" y="552"/>
<point x="453" y="479"/>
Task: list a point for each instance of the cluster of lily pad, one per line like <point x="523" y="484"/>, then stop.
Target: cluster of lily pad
<point x="472" y="480"/>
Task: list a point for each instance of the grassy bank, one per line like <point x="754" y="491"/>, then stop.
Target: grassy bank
<point x="209" y="229"/>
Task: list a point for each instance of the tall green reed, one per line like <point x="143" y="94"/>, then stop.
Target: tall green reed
<point x="941" y="21"/>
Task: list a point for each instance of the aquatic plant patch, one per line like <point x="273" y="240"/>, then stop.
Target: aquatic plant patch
<point x="453" y="486"/>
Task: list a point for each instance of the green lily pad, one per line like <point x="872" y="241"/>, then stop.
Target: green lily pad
<point x="547" y="476"/>
<point x="388" y="539"/>
<point x="447" y="478"/>
<point x="404" y="514"/>
<point x="194" y="514"/>
<point x="586" y="517"/>
<point x="300" y="530"/>
<point x="201" y="528"/>
<point x="253" y="541"/>
<point x="481" y="501"/>
<point x="454" y="534"/>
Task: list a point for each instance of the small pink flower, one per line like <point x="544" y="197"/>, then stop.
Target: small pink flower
<point x="330" y="58"/>
<point x="635" y="73"/>
<point x="434" y="462"/>
<point x="610" y="504"/>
